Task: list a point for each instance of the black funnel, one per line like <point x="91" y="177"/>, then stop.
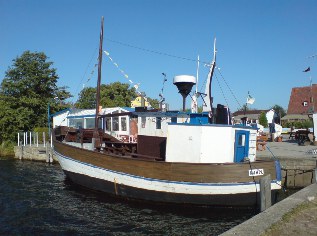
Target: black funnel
<point x="184" y="84"/>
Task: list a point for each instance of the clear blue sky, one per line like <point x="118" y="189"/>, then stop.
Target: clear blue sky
<point x="263" y="46"/>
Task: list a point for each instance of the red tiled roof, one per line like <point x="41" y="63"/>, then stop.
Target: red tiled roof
<point x="299" y="95"/>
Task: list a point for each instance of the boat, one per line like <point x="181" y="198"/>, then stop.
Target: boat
<point x="177" y="158"/>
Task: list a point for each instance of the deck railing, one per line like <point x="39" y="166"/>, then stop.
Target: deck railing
<point x="34" y="139"/>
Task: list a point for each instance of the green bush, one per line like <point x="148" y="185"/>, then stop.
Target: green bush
<point x="299" y="124"/>
<point x="40" y="131"/>
<point x="7" y="148"/>
<point x="263" y="120"/>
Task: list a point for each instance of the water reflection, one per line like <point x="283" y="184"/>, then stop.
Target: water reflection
<point x="36" y="198"/>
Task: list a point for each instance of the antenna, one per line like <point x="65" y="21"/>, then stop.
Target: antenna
<point x="197" y="74"/>
<point x="194" y="104"/>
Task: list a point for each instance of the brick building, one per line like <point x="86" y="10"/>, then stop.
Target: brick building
<point x="302" y="102"/>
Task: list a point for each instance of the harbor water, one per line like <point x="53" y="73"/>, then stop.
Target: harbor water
<point x="36" y="198"/>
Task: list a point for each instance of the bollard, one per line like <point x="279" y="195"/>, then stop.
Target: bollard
<point x="21" y="153"/>
<point x="265" y="192"/>
<point x="47" y="153"/>
<point x="51" y="155"/>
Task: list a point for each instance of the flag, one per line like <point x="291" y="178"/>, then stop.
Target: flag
<point x="308" y="69"/>
<point x="250" y="100"/>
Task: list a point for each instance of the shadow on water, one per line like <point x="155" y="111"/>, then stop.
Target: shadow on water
<point x="167" y="219"/>
<point x="36" y="198"/>
<point x="182" y="209"/>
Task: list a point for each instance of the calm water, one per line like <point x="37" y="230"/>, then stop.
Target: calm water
<point x="35" y="198"/>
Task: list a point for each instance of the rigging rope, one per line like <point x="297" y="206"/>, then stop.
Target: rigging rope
<point x="223" y="94"/>
<point x="154" y="51"/>
<point x="229" y="88"/>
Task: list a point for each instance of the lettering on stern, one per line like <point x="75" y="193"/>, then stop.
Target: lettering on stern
<point x="256" y="172"/>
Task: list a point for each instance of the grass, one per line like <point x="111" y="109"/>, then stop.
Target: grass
<point x="7" y="149"/>
<point x="277" y="228"/>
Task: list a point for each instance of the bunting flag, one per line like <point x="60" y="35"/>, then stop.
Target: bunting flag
<point x="135" y="85"/>
<point x="92" y="73"/>
<point x="250" y="100"/>
<point x="308" y="69"/>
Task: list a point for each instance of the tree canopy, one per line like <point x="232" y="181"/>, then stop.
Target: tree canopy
<point x="279" y="110"/>
<point x="263" y="120"/>
<point x="30" y="84"/>
<point x="111" y="95"/>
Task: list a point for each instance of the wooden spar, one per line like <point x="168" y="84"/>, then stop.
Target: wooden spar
<point x="96" y="133"/>
<point x="207" y="107"/>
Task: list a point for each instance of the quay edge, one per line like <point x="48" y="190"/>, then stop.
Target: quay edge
<point x="259" y="224"/>
<point x="34" y="153"/>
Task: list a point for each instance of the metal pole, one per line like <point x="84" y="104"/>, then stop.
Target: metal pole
<point x="48" y="119"/>
<point x="51" y="141"/>
<point x="18" y="139"/>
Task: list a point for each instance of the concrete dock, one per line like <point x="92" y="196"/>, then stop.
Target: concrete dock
<point x="297" y="214"/>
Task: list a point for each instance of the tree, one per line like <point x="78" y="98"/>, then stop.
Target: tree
<point x="263" y="120"/>
<point x="117" y="95"/>
<point x="25" y="92"/>
<point x="244" y="108"/>
<point x="280" y="111"/>
<point x="86" y="99"/>
<point x="112" y="95"/>
<point x="154" y="102"/>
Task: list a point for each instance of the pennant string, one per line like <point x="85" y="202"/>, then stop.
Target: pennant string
<point x="136" y="86"/>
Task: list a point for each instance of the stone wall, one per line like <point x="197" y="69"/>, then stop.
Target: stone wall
<point x="34" y="153"/>
<point x="299" y="172"/>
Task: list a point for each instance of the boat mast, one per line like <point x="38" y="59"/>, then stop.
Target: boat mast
<point x="207" y="106"/>
<point x="96" y="133"/>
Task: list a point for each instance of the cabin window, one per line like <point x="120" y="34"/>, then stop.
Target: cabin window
<point x="241" y="140"/>
<point x="76" y="122"/>
<point x="123" y="124"/>
<point x="115" y="123"/>
<point x="108" y="124"/>
<point x="158" y="122"/>
<point x="90" y="123"/>
<point x="143" y="121"/>
<point x="174" y="120"/>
